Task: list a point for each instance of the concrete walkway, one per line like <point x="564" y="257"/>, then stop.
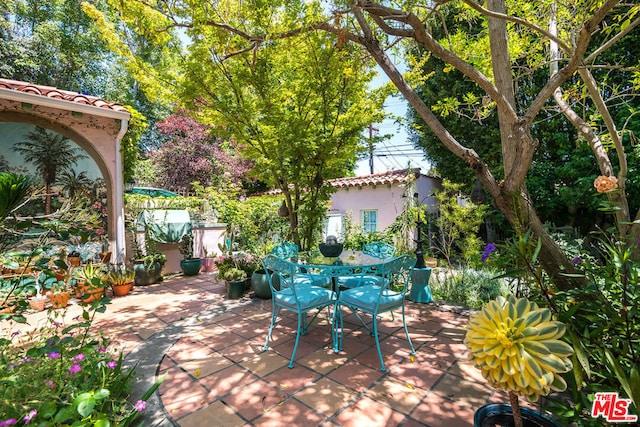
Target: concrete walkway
<point x="210" y="347"/>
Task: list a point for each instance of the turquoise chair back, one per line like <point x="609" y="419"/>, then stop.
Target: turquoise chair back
<point x="380" y="250"/>
<point x="285" y="250"/>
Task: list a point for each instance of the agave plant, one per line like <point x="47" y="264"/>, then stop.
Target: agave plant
<point x="517" y="347"/>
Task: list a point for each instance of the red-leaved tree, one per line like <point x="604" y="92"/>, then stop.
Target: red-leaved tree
<point x="192" y="152"/>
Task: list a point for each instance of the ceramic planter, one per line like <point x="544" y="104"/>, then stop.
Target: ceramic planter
<point x="208" y="265"/>
<point x="191" y="267"/>
<point x="147" y="275"/>
<point x="235" y="288"/>
<point x="105" y="257"/>
<point x="500" y="414"/>
<point x="260" y="284"/>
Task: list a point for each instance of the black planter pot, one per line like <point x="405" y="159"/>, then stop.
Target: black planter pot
<point x="147" y="275"/>
<point x="500" y="414"/>
<point x="260" y="284"/>
<point x="191" y="267"/>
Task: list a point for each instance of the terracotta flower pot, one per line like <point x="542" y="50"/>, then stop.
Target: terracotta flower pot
<point x="59" y="299"/>
<point x="37" y="304"/>
<point x="74" y="261"/>
<point x="122" y="290"/>
<point x="105" y="257"/>
<point x="87" y="293"/>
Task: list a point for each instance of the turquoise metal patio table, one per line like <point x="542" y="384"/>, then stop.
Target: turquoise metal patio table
<point x="349" y="269"/>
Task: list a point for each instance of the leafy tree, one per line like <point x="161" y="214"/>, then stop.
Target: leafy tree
<point x="457" y="223"/>
<point x="299" y="118"/>
<point x="190" y="153"/>
<point x="515" y="39"/>
<point x="51" y="154"/>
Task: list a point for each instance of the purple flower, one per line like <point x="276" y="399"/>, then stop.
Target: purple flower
<point x="576" y="260"/>
<point x="50" y="383"/>
<point x="140" y="405"/>
<point x="57" y="324"/>
<point x="102" y="349"/>
<point x="75" y="368"/>
<point x="30" y="415"/>
<point x="487" y="251"/>
<point x="10" y="366"/>
<point x="78" y="357"/>
<point x="26" y="360"/>
<point x="9" y="422"/>
<point x="112" y="364"/>
<point x="13" y="334"/>
<point x="53" y="355"/>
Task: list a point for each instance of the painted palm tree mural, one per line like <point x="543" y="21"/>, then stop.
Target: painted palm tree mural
<point x="51" y="154"/>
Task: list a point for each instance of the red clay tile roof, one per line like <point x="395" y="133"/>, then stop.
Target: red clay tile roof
<point x="54" y="93"/>
<point x="391" y="177"/>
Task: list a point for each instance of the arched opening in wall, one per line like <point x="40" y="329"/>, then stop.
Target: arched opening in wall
<point x="69" y="168"/>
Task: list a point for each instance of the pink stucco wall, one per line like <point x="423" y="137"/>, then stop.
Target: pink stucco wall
<point x="386" y="199"/>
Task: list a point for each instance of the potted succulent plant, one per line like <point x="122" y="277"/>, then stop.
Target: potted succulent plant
<point x="91" y="282"/>
<point x="235" y="279"/>
<point x="189" y="264"/>
<point x="59" y="294"/>
<point x="517" y="347"/>
<point x="121" y="280"/>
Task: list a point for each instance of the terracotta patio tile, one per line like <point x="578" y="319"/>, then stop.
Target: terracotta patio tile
<point x="291" y="413"/>
<point x="254" y="399"/>
<point x="326" y="396"/>
<point x="396" y="394"/>
<point x="367" y="412"/>
<point x="264" y="363"/>
<point x="242" y="350"/>
<point x="208" y="364"/>
<point x="290" y="381"/>
<point x="462" y="391"/>
<point x="416" y="374"/>
<point x="182" y="395"/>
<point x="216" y="414"/>
<point x="437" y="411"/>
<point x="356" y="376"/>
<point x="323" y="360"/>
<point x="227" y="380"/>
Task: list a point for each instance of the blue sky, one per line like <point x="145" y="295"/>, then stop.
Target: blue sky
<point x="397" y="151"/>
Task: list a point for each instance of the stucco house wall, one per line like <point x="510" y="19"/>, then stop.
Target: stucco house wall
<point x="384" y="192"/>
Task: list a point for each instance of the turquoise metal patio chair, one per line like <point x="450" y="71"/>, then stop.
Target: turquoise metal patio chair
<point x="289" y="251"/>
<point x="285" y="250"/>
<point x="300" y="299"/>
<point x="375" y="299"/>
<point x="379" y="249"/>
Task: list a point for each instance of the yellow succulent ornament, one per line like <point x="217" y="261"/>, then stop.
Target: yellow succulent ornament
<point x="517" y="347"/>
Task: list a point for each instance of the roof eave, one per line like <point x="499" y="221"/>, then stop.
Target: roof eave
<point x="62" y="104"/>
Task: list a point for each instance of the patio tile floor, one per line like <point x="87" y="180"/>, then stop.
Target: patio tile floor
<point x="210" y="347"/>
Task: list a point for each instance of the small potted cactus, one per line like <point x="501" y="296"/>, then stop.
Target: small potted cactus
<point x="518" y="348"/>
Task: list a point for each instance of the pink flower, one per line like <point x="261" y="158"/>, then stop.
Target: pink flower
<point x="53" y="355"/>
<point x="9" y="422"/>
<point x="30" y="415"/>
<point x="75" y="368"/>
<point x="140" y="405"/>
<point x="112" y="365"/>
<point x="78" y="357"/>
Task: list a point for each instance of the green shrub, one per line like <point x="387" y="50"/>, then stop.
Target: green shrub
<point x="467" y="286"/>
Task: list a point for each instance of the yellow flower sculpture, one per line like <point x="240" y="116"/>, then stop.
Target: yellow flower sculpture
<point x="517" y="347"/>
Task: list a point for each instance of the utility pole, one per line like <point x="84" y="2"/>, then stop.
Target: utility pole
<point x="371" y="130"/>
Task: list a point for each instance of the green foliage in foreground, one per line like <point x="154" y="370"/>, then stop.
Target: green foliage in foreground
<point x="61" y="374"/>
